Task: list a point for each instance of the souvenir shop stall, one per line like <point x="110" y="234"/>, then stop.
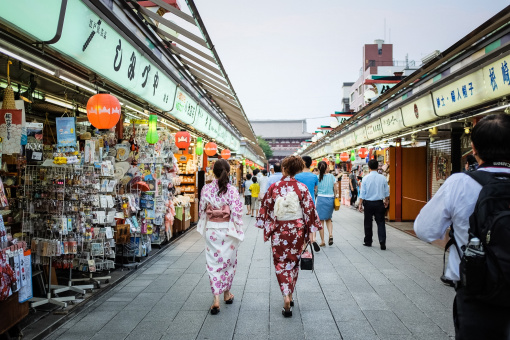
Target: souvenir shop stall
<point x="80" y="197"/>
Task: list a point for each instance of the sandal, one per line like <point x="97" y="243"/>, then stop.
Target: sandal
<point x="287" y="312"/>
<point x="330" y="240"/>
<point x="231" y="300"/>
<point x="215" y="310"/>
<point x="316" y="247"/>
<point x="323" y="244"/>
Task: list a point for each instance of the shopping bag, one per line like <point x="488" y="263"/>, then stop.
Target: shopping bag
<point x="337" y="204"/>
<point x="307" y="258"/>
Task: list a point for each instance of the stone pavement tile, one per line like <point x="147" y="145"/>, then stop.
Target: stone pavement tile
<point x="144" y="301"/>
<point x="334" y="291"/>
<point x="253" y="322"/>
<point x="161" y="285"/>
<point x="251" y="337"/>
<point x="174" y="271"/>
<point x="346" y="311"/>
<point x="370" y="301"/>
<point x="186" y="322"/>
<point x="257" y="285"/>
<point x="94" y="321"/>
<point x="124" y="321"/>
<point x="254" y="301"/>
<point x="319" y="324"/>
<point x="198" y="302"/>
<point x="386" y="322"/>
<point x="132" y="289"/>
<point x="310" y="302"/>
<point x="164" y="311"/>
<point x="116" y="336"/>
<point x="357" y="329"/>
<point x="140" y="282"/>
<point x="73" y="335"/>
<point x="148" y="330"/>
<point x="444" y="320"/>
<point x="157" y="269"/>
<point x="119" y="297"/>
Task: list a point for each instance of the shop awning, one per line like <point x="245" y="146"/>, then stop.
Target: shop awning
<point x="197" y="55"/>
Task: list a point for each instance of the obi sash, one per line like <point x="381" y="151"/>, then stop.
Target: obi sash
<point x="218" y="215"/>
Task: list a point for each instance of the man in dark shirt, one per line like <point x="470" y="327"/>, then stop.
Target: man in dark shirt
<point x="353" y="186"/>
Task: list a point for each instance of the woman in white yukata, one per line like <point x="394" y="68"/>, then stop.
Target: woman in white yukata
<point x="221" y="223"/>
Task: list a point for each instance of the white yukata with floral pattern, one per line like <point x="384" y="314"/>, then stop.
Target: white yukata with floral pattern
<point x="222" y="239"/>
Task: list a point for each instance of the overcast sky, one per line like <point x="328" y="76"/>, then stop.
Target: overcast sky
<point x="288" y="59"/>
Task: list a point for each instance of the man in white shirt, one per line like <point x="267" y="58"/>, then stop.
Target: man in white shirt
<point x="276" y="176"/>
<point x="453" y="204"/>
<point x="263" y="180"/>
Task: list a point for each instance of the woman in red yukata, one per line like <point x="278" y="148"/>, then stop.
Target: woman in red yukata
<point x="289" y="219"/>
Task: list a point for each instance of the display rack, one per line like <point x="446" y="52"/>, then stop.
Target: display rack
<point x="36" y="181"/>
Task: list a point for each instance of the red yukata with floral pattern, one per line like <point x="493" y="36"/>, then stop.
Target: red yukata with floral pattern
<point x="287" y="237"/>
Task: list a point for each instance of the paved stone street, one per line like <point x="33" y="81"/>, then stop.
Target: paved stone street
<point x="355" y="293"/>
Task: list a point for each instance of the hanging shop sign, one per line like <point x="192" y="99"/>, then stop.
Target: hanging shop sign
<point x="392" y="122"/>
<point x="66" y="132"/>
<point x="90" y="41"/>
<point x="418" y="111"/>
<point x="497" y="78"/>
<point x="11" y="124"/>
<point x="374" y="129"/>
<point x="360" y="135"/>
<point x="463" y="93"/>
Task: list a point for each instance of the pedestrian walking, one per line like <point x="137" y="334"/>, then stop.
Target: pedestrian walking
<point x="263" y="181"/>
<point x="479" y="311"/>
<point x="325" y="201"/>
<point x="353" y="186"/>
<point x="221" y="224"/>
<point x="255" y="191"/>
<point x="308" y="178"/>
<point x="288" y="217"/>
<point x="374" y="198"/>
<point x="247" y="193"/>
<point x="276" y="176"/>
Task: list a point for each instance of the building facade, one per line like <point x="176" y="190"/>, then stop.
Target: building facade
<point x="284" y="136"/>
<point x="379" y="73"/>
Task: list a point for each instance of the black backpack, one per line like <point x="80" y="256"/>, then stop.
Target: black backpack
<point x="487" y="277"/>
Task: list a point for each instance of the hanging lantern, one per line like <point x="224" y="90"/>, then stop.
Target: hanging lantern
<point x="253" y="167"/>
<point x="244" y="161"/>
<point x="225" y="153"/>
<point x="103" y="111"/>
<point x="211" y="149"/>
<point x="182" y="139"/>
<point x="353" y="155"/>
<point x="199" y="150"/>
<point x="344" y="156"/>
<point x="325" y="159"/>
<point x="314" y="163"/>
<point x="337" y="159"/>
<point x="152" y="134"/>
<point x="362" y="153"/>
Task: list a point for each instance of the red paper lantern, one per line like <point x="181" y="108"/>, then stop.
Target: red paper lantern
<point x="314" y="163"/>
<point x="182" y="139"/>
<point x="103" y="111"/>
<point x="344" y="157"/>
<point x="225" y="154"/>
<point x="211" y="149"/>
<point x="362" y="153"/>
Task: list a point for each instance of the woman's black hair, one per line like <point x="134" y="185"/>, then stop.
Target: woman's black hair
<point x="221" y="170"/>
<point x="323" y="166"/>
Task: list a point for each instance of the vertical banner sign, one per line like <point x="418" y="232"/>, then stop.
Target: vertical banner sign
<point x="66" y="132"/>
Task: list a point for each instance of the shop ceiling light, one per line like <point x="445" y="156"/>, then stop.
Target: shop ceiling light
<point x="78" y="84"/>
<point x="64" y="104"/>
<point x="26" y="61"/>
<point x="140" y="112"/>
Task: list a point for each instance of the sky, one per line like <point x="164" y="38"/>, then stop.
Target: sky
<point x="288" y="59"/>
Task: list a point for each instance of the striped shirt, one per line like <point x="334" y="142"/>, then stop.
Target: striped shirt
<point x="326" y="186"/>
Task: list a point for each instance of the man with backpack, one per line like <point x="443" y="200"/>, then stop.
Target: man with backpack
<point x="477" y="207"/>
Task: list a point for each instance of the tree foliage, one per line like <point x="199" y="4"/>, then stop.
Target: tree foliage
<point x="265" y="147"/>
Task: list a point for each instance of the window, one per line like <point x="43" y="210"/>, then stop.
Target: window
<point x="359" y="90"/>
<point x="352" y="97"/>
<point x="379" y="51"/>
